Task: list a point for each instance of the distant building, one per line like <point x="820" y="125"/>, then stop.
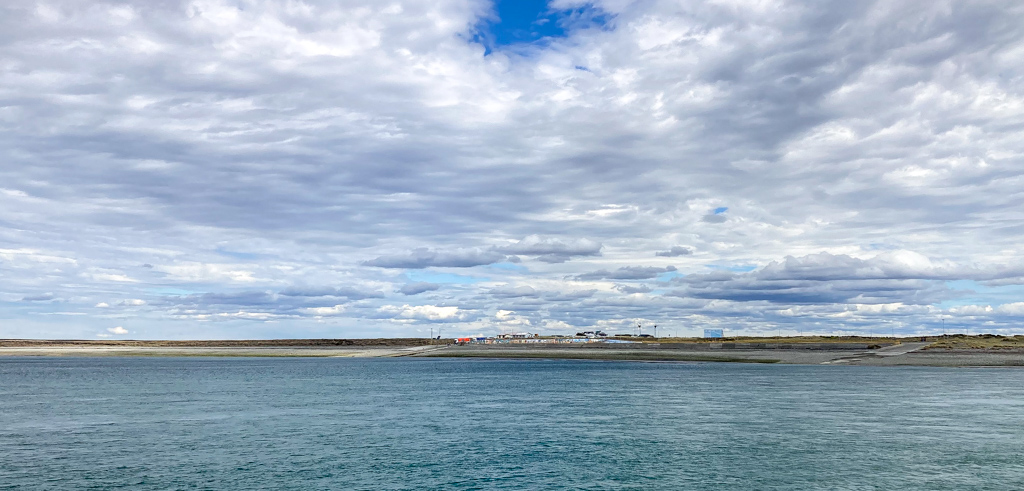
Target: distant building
<point x="714" y="333"/>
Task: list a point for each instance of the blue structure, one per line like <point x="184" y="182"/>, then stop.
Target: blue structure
<point x="713" y="333"/>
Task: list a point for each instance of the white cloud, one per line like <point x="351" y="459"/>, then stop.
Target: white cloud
<point x="335" y="310"/>
<point x="1015" y="308"/>
<point x="870" y="172"/>
<point x="113" y="277"/>
<point x="200" y="272"/>
<point x="422" y="312"/>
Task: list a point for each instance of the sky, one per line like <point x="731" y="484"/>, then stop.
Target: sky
<point x="226" y="169"/>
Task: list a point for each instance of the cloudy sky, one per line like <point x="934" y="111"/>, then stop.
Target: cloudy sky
<point x="269" y="169"/>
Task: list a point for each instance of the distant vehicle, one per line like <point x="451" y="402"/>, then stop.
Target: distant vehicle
<point x="646" y="336"/>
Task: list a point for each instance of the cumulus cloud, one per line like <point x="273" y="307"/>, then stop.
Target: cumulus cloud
<point x="553" y="249"/>
<point x="247" y="298"/>
<point x="117" y="330"/>
<point x="675" y="251"/>
<point x="326" y="291"/>
<point x="546" y="249"/>
<point x="432" y="313"/>
<point x="294" y="303"/>
<point x="902" y="277"/>
<point x="333" y="310"/>
<point x="418" y="287"/>
<point x="509" y="291"/>
<point x="900" y="264"/>
<point x="569" y="296"/>
<point x="627" y="273"/>
<point x="425" y="258"/>
<point x="207" y="273"/>
<point x="43" y="297"/>
<point x="630" y="289"/>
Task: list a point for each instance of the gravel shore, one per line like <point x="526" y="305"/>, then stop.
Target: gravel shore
<point x="906" y="354"/>
<point x="789" y="355"/>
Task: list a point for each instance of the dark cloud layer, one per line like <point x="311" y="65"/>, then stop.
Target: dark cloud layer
<point x="424" y="258"/>
<point x="348" y="292"/>
<point x="553" y="250"/>
<point x="627" y="273"/>
<point x="675" y="251"/>
<point x="546" y="249"/>
<point x="419" y="287"/>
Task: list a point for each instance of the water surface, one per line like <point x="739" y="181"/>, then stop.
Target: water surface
<point x="266" y="423"/>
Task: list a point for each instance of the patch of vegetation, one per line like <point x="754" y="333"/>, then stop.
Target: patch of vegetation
<point x="979" y="342"/>
<point x="882" y="341"/>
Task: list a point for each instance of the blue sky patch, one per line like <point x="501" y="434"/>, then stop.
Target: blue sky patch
<point x="721" y="209"/>
<point x="668" y="275"/>
<point x="524" y="22"/>
<point x="977" y="294"/>
<point x="519" y="268"/>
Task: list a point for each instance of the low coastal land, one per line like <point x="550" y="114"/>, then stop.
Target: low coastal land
<point x="356" y="348"/>
<point x="951" y="351"/>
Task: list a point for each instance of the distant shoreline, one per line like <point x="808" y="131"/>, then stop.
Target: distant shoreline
<point x="786" y="356"/>
<point x="804" y="351"/>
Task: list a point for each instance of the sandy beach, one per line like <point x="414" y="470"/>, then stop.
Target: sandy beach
<point x="368" y="352"/>
<point x="252" y="348"/>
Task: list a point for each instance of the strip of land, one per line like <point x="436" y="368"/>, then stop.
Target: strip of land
<point x="916" y="353"/>
<point x="948" y="351"/>
<point x="346" y="348"/>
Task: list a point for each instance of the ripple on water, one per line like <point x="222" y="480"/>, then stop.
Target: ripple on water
<point x="164" y="423"/>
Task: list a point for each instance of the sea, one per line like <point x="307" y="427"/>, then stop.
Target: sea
<point x="405" y="423"/>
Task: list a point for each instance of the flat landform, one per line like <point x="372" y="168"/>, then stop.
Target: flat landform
<point x="950" y="351"/>
<point x="358" y="348"/>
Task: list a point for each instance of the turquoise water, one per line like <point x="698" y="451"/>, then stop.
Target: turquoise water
<point x="202" y="423"/>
